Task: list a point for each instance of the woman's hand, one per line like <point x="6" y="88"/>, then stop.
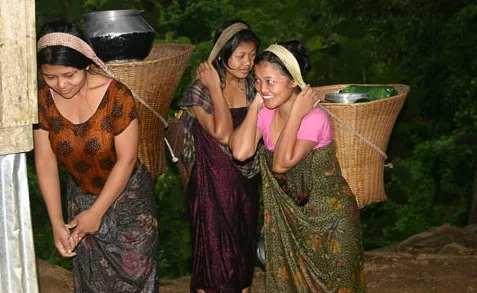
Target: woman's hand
<point x="306" y="100"/>
<point x="61" y="236"/>
<point x="208" y="75"/>
<point x="257" y="101"/>
<point x="86" y="222"/>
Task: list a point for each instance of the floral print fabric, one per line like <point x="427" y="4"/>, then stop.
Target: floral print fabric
<point x="122" y="255"/>
<point x="316" y="246"/>
<point x="87" y="149"/>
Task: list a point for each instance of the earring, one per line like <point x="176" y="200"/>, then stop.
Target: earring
<point x="294" y="84"/>
<point x="87" y="68"/>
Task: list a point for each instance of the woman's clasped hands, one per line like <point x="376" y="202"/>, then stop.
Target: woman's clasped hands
<point x="68" y="236"/>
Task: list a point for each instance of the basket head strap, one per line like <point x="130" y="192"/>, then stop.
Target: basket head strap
<point x="73" y="42"/>
<point x="289" y="61"/>
<point x="225" y="36"/>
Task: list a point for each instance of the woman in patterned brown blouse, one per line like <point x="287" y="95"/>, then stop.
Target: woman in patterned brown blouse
<point x="88" y="123"/>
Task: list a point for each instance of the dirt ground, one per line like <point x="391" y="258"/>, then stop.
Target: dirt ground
<point x="441" y="260"/>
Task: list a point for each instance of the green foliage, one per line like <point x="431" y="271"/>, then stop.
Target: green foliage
<point x="429" y="45"/>
<point x="46" y="10"/>
<point x="188" y="16"/>
<point x="425" y="190"/>
<point x="174" y="235"/>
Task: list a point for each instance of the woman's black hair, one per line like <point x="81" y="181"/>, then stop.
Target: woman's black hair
<point x="62" y="55"/>
<point x="243" y="36"/>
<point x="298" y="51"/>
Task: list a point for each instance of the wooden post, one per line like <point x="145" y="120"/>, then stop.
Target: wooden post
<point x="18" y="88"/>
<point x="18" y="111"/>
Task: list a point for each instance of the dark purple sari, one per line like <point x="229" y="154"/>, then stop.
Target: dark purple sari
<point x="223" y="207"/>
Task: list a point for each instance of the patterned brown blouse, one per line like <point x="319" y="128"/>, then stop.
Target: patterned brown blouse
<point x="87" y="149"/>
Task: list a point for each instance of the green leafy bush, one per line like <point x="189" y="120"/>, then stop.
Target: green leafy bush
<point x="174" y="235"/>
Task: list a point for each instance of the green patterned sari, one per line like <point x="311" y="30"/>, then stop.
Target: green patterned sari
<point x="312" y="245"/>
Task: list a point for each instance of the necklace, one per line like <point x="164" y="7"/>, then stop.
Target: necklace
<point x="231" y="98"/>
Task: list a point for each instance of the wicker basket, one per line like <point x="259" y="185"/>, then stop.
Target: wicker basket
<point x="174" y="134"/>
<point x="362" y="165"/>
<point x="154" y="80"/>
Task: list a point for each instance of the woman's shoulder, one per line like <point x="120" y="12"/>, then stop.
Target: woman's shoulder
<point x="117" y="87"/>
<point x="45" y="99"/>
<point x="196" y="86"/>
<point x="196" y="94"/>
<point x="265" y="117"/>
<point x="318" y="113"/>
<point x="42" y="89"/>
<point x="119" y="84"/>
<point x="316" y="116"/>
<point x="97" y="80"/>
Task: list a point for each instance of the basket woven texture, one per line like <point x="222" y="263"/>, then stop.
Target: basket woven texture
<point x="361" y="164"/>
<point x="174" y="133"/>
<point x="154" y="80"/>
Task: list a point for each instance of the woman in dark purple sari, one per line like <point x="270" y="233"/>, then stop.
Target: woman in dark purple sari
<point x="223" y="195"/>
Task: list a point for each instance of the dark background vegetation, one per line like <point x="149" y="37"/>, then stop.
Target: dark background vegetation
<point x="429" y="45"/>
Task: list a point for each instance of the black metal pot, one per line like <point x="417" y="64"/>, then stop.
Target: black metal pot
<point x="119" y="35"/>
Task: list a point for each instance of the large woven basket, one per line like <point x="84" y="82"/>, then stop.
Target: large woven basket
<point x="154" y="80"/>
<point x="361" y="164"/>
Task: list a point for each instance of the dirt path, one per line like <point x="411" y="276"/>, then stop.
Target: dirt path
<point x="442" y="260"/>
<point x="389" y="273"/>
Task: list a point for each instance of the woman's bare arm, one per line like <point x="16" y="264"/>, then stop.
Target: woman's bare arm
<point x="219" y="125"/>
<point x="289" y="151"/>
<point x="244" y="140"/>
<point x="47" y="172"/>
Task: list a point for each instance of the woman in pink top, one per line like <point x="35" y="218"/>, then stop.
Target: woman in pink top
<point x="312" y="230"/>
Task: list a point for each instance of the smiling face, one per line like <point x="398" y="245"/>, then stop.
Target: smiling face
<point x="64" y="80"/>
<point x="275" y="88"/>
<point x="241" y="61"/>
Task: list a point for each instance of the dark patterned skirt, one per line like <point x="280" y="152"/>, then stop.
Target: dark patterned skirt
<point x="122" y="255"/>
